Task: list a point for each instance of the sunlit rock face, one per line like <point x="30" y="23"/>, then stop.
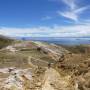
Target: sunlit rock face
<point x="15" y="79"/>
<point x="39" y="79"/>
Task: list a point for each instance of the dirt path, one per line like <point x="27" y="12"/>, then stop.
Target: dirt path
<point x="54" y="81"/>
<point x="48" y="76"/>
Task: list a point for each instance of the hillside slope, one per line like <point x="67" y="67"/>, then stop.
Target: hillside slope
<point x="4" y="41"/>
<point x="32" y="65"/>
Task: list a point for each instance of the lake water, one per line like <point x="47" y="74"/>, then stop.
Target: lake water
<point x="63" y="41"/>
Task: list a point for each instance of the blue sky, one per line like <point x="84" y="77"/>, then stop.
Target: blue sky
<point x="45" y="18"/>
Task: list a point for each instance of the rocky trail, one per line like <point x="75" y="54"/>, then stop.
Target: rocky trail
<point x="54" y="81"/>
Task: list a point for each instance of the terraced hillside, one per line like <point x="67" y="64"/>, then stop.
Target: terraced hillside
<point x="33" y="65"/>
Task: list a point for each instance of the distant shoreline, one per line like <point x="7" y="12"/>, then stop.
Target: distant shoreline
<point x="59" y="40"/>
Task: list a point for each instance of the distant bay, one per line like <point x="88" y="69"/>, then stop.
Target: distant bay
<point x="60" y="40"/>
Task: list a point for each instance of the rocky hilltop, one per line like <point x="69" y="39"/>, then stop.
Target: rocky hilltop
<point x="33" y="65"/>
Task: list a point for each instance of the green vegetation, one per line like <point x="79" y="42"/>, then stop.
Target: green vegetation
<point x="77" y="49"/>
<point x="8" y="59"/>
<point x="4" y="42"/>
<point x="31" y="52"/>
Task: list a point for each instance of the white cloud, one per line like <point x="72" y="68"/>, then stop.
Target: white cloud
<point x="70" y="15"/>
<point x="73" y="11"/>
<point x="70" y="3"/>
<point x="80" y="30"/>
